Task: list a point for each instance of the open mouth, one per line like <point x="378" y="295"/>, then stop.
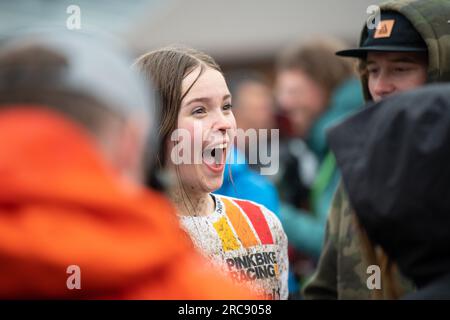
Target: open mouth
<point x="214" y="157"/>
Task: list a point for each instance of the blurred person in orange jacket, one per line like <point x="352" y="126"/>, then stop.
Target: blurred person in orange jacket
<point x="74" y="125"/>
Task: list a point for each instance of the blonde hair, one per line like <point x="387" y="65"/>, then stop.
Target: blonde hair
<point x="391" y="289"/>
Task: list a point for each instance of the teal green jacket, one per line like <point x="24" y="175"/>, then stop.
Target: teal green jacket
<point x="306" y="230"/>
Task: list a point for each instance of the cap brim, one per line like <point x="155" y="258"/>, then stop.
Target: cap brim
<point x="362" y="52"/>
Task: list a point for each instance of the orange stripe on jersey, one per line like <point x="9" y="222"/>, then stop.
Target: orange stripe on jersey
<point x="226" y="235"/>
<point x="258" y="220"/>
<point x="240" y="224"/>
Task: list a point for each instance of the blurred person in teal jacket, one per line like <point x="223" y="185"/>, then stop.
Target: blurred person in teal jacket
<point x="314" y="89"/>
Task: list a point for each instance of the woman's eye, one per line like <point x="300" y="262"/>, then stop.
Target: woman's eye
<point x="198" y="110"/>
<point x="227" y="107"/>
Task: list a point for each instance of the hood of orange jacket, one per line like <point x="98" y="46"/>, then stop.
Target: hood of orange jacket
<point x="61" y="204"/>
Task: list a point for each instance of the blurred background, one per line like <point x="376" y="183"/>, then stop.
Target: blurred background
<point x="236" y="32"/>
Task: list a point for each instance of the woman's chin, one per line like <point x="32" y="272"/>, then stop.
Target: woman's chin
<point x="213" y="185"/>
<point x="212" y="182"/>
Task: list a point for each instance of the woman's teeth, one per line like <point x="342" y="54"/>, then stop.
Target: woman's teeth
<point x="221" y="146"/>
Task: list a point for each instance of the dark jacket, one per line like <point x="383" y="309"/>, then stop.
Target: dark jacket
<point x="395" y="162"/>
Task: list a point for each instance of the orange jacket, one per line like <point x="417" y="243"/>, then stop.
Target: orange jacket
<point x="61" y="204"/>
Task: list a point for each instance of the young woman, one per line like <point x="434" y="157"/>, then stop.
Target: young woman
<point x="196" y="133"/>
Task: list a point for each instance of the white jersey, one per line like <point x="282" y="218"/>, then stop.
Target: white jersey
<point x="247" y="241"/>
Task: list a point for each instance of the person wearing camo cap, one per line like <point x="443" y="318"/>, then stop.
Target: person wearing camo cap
<point x="409" y="48"/>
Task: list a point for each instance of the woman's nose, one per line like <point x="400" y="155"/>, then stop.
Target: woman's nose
<point x="224" y="122"/>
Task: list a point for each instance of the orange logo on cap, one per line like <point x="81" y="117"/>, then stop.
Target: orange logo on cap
<point x="384" y="30"/>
